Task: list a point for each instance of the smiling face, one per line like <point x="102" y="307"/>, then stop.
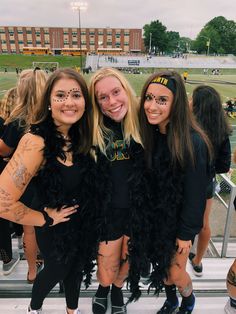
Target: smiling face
<point x="157" y="105"/>
<point x="112" y="98"/>
<point x="67" y="103"/>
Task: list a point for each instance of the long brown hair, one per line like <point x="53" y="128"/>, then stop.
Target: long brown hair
<point x="181" y="122"/>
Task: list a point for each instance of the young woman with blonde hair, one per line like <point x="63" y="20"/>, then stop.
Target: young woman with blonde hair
<point x="118" y="149"/>
<point x="29" y="91"/>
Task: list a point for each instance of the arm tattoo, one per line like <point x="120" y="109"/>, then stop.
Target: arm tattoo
<point x="29" y="145"/>
<point x="7" y="204"/>
<point x="20" y="211"/>
<point x="5" y="201"/>
<point x="18" y="172"/>
<point x="231" y="277"/>
<point x="187" y="290"/>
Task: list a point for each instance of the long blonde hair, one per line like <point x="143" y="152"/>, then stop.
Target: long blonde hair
<point x="8" y="103"/>
<point x="131" y="121"/>
<point x="30" y="88"/>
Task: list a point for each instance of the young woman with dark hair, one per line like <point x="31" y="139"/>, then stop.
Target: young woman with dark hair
<point x="207" y="108"/>
<point x="177" y="156"/>
<point x="55" y="152"/>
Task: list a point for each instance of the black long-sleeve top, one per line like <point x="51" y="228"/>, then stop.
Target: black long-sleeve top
<point x="193" y="179"/>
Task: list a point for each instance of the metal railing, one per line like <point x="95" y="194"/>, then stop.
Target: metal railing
<point x="226" y="195"/>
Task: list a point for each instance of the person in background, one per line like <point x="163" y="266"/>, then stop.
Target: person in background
<point x="30" y="87"/>
<point x="10" y="259"/>
<point x="207" y="108"/>
<point x="55" y="149"/>
<point x="118" y="149"/>
<point x="230" y="307"/>
<point x="177" y="155"/>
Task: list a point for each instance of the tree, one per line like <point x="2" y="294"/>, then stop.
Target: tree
<point x="155" y="36"/>
<point x="173" y="41"/>
<point x="222" y="35"/>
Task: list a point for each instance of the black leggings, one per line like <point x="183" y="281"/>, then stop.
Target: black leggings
<point x="54" y="272"/>
<point x="5" y="241"/>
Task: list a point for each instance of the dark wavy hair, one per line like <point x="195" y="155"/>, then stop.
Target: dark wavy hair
<point x="81" y="131"/>
<point x="208" y="110"/>
<point x="181" y="123"/>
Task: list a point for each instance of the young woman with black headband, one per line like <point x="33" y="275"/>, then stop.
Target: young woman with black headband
<point x="177" y="155"/>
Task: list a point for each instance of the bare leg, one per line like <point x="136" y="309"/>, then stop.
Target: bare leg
<point x="231" y="280"/>
<point x="109" y="261"/>
<point x="204" y="235"/>
<point x="31" y="250"/>
<point x="179" y="276"/>
<point x="124" y="265"/>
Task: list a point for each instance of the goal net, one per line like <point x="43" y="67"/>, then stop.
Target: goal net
<point x="46" y="66"/>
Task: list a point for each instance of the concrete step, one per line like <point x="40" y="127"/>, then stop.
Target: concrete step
<point x="213" y="279"/>
<point x="204" y="305"/>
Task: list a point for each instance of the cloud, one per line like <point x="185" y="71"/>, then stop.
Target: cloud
<point x="187" y="17"/>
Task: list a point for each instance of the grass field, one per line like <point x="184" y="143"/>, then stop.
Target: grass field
<point x="225" y="84"/>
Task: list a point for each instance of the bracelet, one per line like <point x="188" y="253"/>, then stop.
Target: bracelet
<point x="48" y="220"/>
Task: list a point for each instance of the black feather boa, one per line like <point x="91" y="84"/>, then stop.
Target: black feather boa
<point x="77" y="238"/>
<point x="156" y="202"/>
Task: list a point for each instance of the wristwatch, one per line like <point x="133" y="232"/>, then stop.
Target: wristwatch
<point x="48" y="220"/>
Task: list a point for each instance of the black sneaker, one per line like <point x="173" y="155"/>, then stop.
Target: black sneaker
<point x="197" y="269"/>
<point x="186" y="309"/>
<point x="168" y="308"/>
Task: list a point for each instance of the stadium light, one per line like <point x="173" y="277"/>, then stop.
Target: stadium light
<point x="77" y="7"/>
<point x="207" y="43"/>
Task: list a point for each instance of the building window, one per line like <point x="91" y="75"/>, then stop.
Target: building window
<point x="20" y="32"/>
<point x="91" y="33"/>
<point x="100" y="33"/>
<point x="126" y="33"/>
<point x="12" y="41"/>
<point x="28" y="32"/>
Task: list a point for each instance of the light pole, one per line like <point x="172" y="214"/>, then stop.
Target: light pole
<point x="207" y="44"/>
<point x="150" y="43"/>
<point x="77" y="7"/>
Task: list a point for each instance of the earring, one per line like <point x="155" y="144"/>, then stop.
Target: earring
<point x="49" y="108"/>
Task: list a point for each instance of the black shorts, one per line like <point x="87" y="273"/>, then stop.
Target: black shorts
<point x="211" y="189"/>
<point x="117" y="224"/>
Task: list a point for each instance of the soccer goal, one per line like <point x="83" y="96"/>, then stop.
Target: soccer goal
<point x="46" y="66"/>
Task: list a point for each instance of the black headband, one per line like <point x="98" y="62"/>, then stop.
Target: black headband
<point x="165" y="81"/>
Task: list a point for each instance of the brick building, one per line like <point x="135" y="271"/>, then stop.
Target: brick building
<point x="14" y="38"/>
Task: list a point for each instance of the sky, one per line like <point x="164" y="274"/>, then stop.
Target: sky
<point x="187" y="17"/>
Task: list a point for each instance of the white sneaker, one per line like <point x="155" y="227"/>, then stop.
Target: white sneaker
<point x="29" y="311"/>
<point x="8" y="267"/>
<point x="229" y="309"/>
<point x="77" y="311"/>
